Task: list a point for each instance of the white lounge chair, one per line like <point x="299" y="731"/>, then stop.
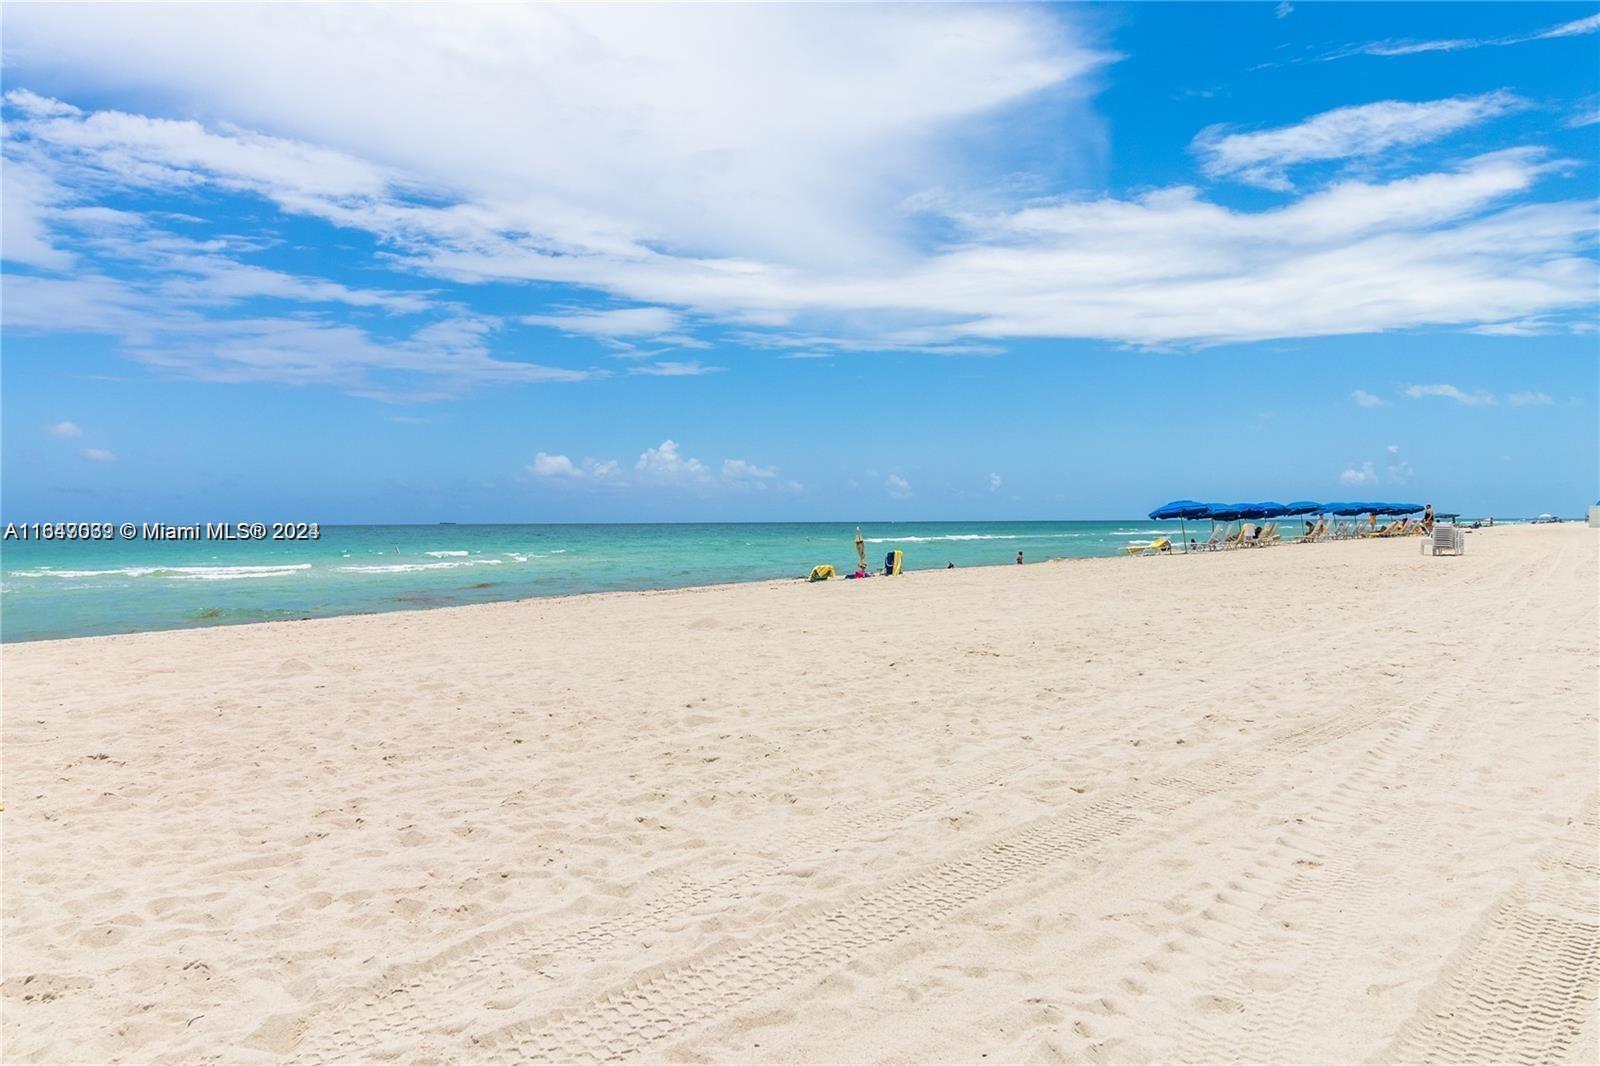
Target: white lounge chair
<point x="1446" y="540"/>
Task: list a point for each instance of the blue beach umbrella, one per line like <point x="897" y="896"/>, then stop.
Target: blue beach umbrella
<point x="1181" y="510"/>
<point x="1302" y="507"/>
<point x="1272" y="509"/>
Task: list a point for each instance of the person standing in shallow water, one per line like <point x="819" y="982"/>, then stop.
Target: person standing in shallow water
<point x="1019" y="558"/>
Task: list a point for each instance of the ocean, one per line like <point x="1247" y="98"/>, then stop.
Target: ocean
<point x="52" y="589"/>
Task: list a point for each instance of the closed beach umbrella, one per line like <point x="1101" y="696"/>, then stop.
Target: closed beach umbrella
<point x="861" y="548"/>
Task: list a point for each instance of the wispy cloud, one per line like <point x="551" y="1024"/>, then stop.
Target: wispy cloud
<point x="898" y="487"/>
<point x="620" y="322"/>
<point x="98" y="455"/>
<point x="1574" y="28"/>
<point x="995" y="482"/>
<point x="1477" y="398"/>
<point x="65" y="429"/>
<point x="1529" y="399"/>
<point x="1264" y="157"/>
<point x="1363" y="398"/>
<point x="692" y="368"/>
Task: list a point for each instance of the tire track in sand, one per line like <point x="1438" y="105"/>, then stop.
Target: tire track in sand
<point x="405" y="1002"/>
<point x="674" y="999"/>
<point x="1527" y="979"/>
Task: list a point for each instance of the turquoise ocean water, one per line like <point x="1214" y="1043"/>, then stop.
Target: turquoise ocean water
<point x="69" y="589"/>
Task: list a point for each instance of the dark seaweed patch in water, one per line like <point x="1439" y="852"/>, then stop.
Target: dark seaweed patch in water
<point x="484" y="585"/>
<point x="211" y="612"/>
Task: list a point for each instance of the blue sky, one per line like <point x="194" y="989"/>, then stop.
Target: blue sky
<point x="799" y="262"/>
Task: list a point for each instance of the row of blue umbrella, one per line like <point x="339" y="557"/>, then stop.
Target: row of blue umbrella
<point x="1228" y="512"/>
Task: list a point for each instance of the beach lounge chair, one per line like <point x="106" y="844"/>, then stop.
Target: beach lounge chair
<point x="1243" y="536"/>
<point x="1213" y="542"/>
<point x="1155" y="547"/>
<point x="1446" y="540"/>
<point x="1269" y="535"/>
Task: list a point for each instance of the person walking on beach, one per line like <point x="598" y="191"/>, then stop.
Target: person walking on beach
<point x="1427" y="519"/>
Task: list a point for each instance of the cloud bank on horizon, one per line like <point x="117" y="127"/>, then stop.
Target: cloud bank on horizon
<point x="661" y="180"/>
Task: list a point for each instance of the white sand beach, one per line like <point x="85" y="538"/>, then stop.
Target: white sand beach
<point x="1323" y="803"/>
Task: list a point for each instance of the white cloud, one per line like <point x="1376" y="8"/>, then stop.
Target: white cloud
<point x="1356" y="257"/>
<point x="98" y="455"/>
<point x="1393" y="449"/>
<point x="553" y="466"/>
<point x="739" y="131"/>
<point x="664" y="464"/>
<point x="1363" y="398"/>
<point x="1400" y="472"/>
<point x="1478" y="398"/>
<point x="1529" y="399"/>
<point x="898" y="487"/>
<point x="1264" y="157"/>
<point x="24" y="229"/>
<point x="1362" y="475"/>
<point x="65" y="429"/>
<point x="621" y="322"/>
<point x="562" y="468"/>
<point x="651" y="155"/>
<point x="1574" y="28"/>
<point x="994" y="482"/>
<point x="1284" y="9"/>
<point x="1532" y="327"/>
<point x="437" y="361"/>
<point x="738" y="469"/>
<point x="692" y="368"/>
